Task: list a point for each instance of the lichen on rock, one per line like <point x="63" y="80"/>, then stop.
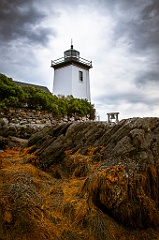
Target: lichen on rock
<point x="91" y="180"/>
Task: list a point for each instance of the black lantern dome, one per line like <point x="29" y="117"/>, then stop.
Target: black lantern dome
<point x="71" y="54"/>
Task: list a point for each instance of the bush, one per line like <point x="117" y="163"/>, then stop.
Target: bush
<point x="13" y="95"/>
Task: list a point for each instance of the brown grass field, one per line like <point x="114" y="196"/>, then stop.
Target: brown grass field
<point x="54" y="204"/>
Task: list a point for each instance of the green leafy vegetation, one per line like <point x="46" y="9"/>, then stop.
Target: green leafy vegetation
<point x="16" y="96"/>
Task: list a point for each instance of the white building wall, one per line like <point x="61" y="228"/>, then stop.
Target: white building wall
<point x="67" y="82"/>
<point x="80" y="89"/>
<point x="62" y="84"/>
<point x="88" y="86"/>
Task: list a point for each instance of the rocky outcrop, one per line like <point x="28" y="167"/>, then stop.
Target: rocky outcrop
<point x="23" y="116"/>
<point x="131" y="143"/>
<point x="85" y="180"/>
<point x="15" y="135"/>
<point x="54" y="141"/>
<point x="125" y="186"/>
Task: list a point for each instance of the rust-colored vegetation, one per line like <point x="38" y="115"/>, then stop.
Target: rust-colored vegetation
<point x="77" y="202"/>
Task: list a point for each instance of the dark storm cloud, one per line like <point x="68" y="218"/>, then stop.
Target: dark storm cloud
<point x="146" y="31"/>
<point x="137" y="28"/>
<point x="138" y="21"/>
<point x="20" y="20"/>
<point x="134" y="36"/>
<point x="149" y="77"/>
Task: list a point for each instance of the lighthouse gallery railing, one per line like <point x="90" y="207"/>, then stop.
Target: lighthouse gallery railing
<point x="71" y="58"/>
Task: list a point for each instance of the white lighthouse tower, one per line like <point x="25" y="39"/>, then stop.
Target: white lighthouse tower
<point x="71" y="75"/>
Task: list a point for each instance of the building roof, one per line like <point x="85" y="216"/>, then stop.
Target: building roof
<point x="23" y="84"/>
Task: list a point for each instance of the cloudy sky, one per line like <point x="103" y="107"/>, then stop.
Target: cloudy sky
<point x="121" y="37"/>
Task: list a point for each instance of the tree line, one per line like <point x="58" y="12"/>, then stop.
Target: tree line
<point x="13" y="95"/>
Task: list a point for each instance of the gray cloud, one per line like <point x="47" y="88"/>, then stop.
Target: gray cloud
<point x="134" y="32"/>
<point x="139" y="23"/>
<point x="113" y="98"/>
<point x="19" y="19"/>
<point x="137" y="28"/>
<point x="147" y="77"/>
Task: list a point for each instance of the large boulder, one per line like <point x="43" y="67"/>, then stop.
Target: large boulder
<point x="125" y="186"/>
<point x="52" y="142"/>
<point x="132" y="142"/>
<point x="14" y="135"/>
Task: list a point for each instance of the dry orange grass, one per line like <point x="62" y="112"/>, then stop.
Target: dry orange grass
<point x="36" y="206"/>
<point x="23" y="192"/>
<point x="31" y="200"/>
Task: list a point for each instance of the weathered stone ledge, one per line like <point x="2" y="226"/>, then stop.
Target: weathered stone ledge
<point x="24" y="116"/>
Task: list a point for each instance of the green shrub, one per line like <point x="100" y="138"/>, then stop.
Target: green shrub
<point x="13" y="95"/>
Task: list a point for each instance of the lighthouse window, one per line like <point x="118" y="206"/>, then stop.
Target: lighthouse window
<point x="81" y="76"/>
